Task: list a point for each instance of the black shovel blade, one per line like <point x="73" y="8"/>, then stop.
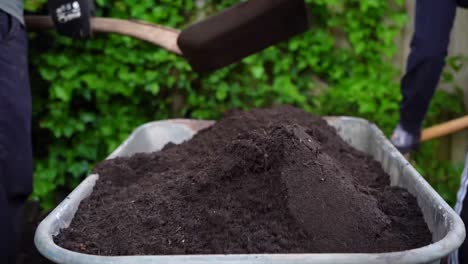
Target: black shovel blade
<point x="242" y="30"/>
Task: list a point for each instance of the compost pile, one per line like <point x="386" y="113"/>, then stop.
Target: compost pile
<point x="276" y="180"/>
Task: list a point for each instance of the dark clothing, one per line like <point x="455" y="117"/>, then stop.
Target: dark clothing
<point x="16" y="163"/>
<point x="433" y="24"/>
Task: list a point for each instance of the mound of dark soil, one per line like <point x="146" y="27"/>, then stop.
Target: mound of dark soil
<point x="267" y="181"/>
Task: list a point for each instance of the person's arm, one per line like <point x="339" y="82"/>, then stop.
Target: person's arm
<point x="72" y="18"/>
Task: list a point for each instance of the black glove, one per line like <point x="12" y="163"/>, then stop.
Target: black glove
<point x="462" y="3"/>
<point x="72" y="17"/>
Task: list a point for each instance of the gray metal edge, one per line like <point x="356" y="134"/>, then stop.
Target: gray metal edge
<point x="66" y="210"/>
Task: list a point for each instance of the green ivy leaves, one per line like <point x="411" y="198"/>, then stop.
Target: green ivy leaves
<point x="89" y="95"/>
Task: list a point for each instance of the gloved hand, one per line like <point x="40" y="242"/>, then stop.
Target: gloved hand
<point x="72" y="17"/>
<point x="462" y="3"/>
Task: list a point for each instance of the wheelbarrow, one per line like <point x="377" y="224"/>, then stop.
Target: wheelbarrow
<point x="446" y="226"/>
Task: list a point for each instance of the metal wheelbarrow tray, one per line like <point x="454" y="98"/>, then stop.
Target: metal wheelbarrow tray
<point x="446" y="226"/>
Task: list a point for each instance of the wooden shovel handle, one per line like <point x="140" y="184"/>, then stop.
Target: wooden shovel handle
<point x="161" y="36"/>
<point x="445" y="129"/>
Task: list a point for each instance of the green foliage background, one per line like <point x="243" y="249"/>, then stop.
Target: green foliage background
<point x="89" y="95"/>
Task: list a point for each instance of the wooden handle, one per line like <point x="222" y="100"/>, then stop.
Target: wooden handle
<point x="161" y="36"/>
<point x="445" y="129"/>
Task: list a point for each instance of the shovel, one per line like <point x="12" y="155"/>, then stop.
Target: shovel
<point x="445" y="129"/>
<point x="217" y="41"/>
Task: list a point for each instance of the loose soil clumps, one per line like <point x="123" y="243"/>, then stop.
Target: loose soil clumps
<point x="276" y="180"/>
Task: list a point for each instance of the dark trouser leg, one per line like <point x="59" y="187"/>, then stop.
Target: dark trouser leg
<point x="7" y="234"/>
<point x="463" y="250"/>
<point x="15" y="130"/>
<point x="433" y="24"/>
